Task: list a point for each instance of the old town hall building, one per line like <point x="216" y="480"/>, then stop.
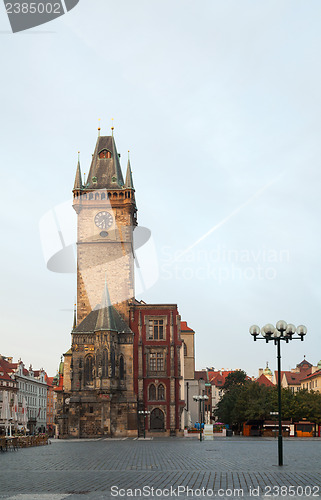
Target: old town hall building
<point x="124" y="371"/>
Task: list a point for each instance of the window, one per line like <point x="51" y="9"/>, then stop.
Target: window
<point x="185" y="350"/>
<point x="156" y="329"/>
<point x="152" y="393"/>
<point x="160" y="362"/>
<point x="88" y="369"/>
<point x="121" y="368"/>
<point x="161" y="392"/>
<point x="112" y="362"/>
<point x="104" y="154"/>
<point x="152" y="362"/>
<point x="105" y="363"/>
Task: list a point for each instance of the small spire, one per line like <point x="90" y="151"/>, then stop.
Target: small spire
<point x="75" y="316"/>
<point x="98" y="127"/>
<point x="78" y="181"/>
<point x="84" y="178"/>
<point x="105" y="318"/>
<point x="129" y="176"/>
<point x="112" y="127"/>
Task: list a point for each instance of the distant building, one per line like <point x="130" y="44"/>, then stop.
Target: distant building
<point x="30" y="386"/>
<point x="291" y="379"/>
<point x="312" y="382"/>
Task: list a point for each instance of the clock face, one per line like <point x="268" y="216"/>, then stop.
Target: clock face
<point x="103" y="220"/>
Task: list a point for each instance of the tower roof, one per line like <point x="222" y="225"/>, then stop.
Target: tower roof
<point x="78" y="181"/>
<point x="105" y="318"/>
<point x="105" y="171"/>
<point x="129" y="177"/>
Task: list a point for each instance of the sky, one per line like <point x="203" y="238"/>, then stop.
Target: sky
<point x="219" y="104"/>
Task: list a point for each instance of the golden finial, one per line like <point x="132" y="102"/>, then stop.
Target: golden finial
<point x="84" y="178"/>
<point x="78" y="155"/>
<point x="98" y="127"/>
<point x="112" y="127"/>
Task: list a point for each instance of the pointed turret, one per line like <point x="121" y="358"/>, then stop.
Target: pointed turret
<point x="106" y="319"/>
<point x="78" y="181"/>
<point x="129" y="176"/>
<point x="105" y="171"/>
<point x="75" y="317"/>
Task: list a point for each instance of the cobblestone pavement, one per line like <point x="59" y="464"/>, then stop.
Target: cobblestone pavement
<point x="106" y="468"/>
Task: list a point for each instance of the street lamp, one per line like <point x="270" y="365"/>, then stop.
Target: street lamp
<point x="144" y="413"/>
<point x="200" y="399"/>
<point x="282" y="331"/>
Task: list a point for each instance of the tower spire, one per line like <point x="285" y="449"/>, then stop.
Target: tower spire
<point x="78" y="181"/>
<point x="105" y="319"/>
<point x="129" y="176"/>
<point x="75" y="316"/>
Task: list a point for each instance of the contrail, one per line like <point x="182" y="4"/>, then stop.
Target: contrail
<point x="228" y="217"/>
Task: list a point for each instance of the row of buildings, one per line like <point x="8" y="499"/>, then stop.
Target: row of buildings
<point x="130" y="368"/>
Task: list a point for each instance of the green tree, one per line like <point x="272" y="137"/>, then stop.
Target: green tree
<point x="233" y="379"/>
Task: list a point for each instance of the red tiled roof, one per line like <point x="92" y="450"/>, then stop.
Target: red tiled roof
<point x="200" y="374"/>
<point x="185" y="328"/>
<point x="309" y="377"/>
<point x="263" y="380"/>
<point x="292" y="378"/>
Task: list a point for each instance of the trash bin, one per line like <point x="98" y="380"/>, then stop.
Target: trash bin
<point x="229" y="432"/>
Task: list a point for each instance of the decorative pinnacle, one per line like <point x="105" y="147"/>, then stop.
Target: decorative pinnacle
<point x="112" y="127"/>
<point x="98" y="127"/>
<point x="78" y="155"/>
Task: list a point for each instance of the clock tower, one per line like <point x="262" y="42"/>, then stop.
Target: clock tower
<point x="106" y="210"/>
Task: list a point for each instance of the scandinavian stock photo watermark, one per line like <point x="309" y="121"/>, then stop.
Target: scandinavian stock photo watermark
<point x="26" y="14"/>
<point x="222" y="264"/>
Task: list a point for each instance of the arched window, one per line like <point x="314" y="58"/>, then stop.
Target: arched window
<point x="103" y="196"/>
<point x="152" y="393"/>
<point x="97" y="196"/>
<point x="161" y="392"/>
<point x="121" y="368"/>
<point x="88" y="369"/>
<point x="105" y="363"/>
<point x="185" y="350"/>
<point x="91" y="196"/>
<point x="104" y="154"/>
<point x="112" y="363"/>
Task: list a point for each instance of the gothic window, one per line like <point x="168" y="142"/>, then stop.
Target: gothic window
<point x="185" y="350"/>
<point x="161" y="392"/>
<point x="103" y="196"/>
<point x="112" y="362"/>
<point x="91" y="196"/>
<point x="88" y="369"/>
<point x="152" y="393"/>
<point x="121" y="368"/>
<point x="97" y="196"/>
<point x="105" y="363"/>
<point x="156" y="329"/>
<point x="104" y="154"/>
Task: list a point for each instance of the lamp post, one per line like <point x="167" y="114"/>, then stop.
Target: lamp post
<point x="286" y="332"/>
<point x="200" y="399"/>
<point x="144" y="413"/>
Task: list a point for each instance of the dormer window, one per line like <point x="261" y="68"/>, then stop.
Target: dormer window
<point x="104" y="154"/>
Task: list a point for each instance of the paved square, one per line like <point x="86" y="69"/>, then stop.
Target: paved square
<point x="106" y="468"/>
